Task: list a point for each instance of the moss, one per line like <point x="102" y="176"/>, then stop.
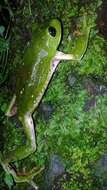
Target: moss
<point x="81" y="136"/>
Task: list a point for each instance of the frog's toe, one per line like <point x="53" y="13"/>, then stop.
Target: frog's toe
<point x="9" y="170"/>
<point x="5" y="167"/>
<point x="0" y="157"/>
<point x="26" y="177"/>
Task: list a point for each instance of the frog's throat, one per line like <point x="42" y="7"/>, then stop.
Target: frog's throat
<point x="12" y="109"/>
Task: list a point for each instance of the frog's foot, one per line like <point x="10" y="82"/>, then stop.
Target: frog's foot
<point x="21" y="176"/>
<point x="5" y="166"/>
<point x="26" y="177"/>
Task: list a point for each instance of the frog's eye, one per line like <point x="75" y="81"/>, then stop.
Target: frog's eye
<point x="52" y="31"/>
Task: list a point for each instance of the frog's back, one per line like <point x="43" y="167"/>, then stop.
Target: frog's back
<point x="36" y="65"/>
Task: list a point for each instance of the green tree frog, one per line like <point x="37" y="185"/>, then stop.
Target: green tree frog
<point x="39" y="62"/>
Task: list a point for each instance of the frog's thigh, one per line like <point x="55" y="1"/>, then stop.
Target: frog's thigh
<point x="30" y="145"/>
<point x="28" y="126"/>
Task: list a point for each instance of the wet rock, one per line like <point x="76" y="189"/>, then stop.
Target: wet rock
<point x="45" y="110"/>
<point x="101" y="171"/>
<point x="101" y="90"/>
<point x="29" y="187"/>
<point x="104" y="188"/>
<point x="89" y="103"/>
<point x="102" y="19"/>
<point x="71" y="79"/>
<point x="54" y="172"/>
<point x="101" y="166"/>
<point x="94" y="88"/>
<point x="89" y="86"/>
<point x="85" y="2"/>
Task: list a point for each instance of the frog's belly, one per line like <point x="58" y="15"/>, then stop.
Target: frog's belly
<point x="28" y="99"/>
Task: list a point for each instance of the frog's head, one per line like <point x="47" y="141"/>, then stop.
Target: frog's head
<point x="52" y="34"/>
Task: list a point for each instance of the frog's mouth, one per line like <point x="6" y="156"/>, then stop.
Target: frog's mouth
<point x="12" y="109"/>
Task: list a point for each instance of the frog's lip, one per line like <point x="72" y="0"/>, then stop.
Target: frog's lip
<point x="12" y="109"/>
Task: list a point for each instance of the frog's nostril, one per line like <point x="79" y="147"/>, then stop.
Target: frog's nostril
<point x="52" y="31"/>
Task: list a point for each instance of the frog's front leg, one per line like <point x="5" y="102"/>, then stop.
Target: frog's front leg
<point x="22" y="151"/>
<point x="77" y="45"/>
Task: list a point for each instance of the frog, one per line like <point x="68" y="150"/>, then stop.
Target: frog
<point x="39" y="62"/>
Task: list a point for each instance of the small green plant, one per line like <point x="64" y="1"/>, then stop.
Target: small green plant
<point x="8" y="180"/>
<point x="4" y="50"/>
<point x="81" y="136"/>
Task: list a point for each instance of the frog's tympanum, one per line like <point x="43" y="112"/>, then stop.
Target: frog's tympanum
<point x="39" y="62"/>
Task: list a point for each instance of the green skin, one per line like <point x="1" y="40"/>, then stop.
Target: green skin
<point x="38" y="65"/>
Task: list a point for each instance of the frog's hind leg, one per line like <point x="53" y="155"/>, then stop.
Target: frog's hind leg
<point x="12" y="109"/>
<point x="22" y="151"/>
<point x="18" y="178"/>
<point x="30" y="145"/>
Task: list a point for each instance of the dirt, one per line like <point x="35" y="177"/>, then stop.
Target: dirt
<point x="102" y="19"/>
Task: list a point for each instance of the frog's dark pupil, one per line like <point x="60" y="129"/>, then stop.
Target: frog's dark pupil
<point x="52" y="31"/>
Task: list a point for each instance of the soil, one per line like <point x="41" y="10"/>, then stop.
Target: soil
<point x="102" y="19"/>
